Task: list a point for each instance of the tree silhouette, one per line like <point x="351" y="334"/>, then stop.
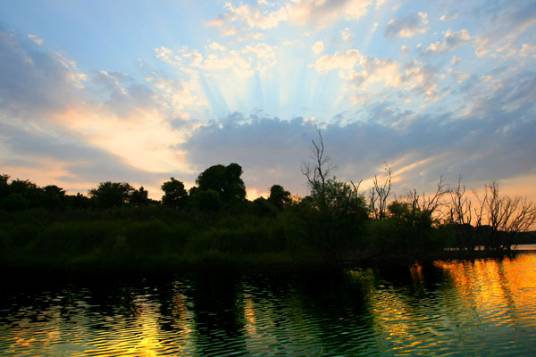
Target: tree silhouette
<point x="53" y="197"/>
<point x="4" y="187"/>
<point x="140" y="197"/>
<point x="111" y="194"/>
<point x="225" y="180"/>
<point x="279" y="197"/>
<point x="205" y="200"/>
<point x="175" y="196"/>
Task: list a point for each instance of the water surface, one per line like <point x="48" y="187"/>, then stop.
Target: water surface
<point x="471" y="307"/>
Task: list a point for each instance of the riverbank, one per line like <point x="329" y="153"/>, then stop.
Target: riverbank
<point x="152" y="239"/>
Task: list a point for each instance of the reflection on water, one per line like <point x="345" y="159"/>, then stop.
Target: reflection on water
<point x="474" y="307"/>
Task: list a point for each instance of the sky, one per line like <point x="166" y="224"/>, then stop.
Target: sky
<point x="139" y="91"/>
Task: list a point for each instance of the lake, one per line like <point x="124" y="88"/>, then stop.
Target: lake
<point x="483" y="306"/>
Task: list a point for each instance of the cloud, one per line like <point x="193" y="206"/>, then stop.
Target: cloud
<point x="504" y="25"/>
<point x="528" y="50"/>
<point x="363" y="73"/>
<point x="36" y="39"/>
<point x="81" y="127"/>
<point x="299" y="12"/>
<point x="492" y="141"/>
<point x="407" y="26"/>
<point x="346" y="34"/>
<point x="318" y="47"/>
<point x="80" y="162"/>
<point x="28" y="73"/>
<point x="243" y="61"/>
<point x="449" y="16"/>
<point x="450" y="41"/>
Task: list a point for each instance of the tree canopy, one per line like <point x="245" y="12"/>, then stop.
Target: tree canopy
<point x="225" y="180"/>
<point x="175" y="194"/>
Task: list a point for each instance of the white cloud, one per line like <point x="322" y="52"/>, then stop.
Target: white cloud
<point x="318" y="13"/>
<point x="243" y="61"/>
<point x="36" y="39"/>
<point x="344" y="62"/>
<point x="346" y="34"/>
<point x="368" y="76"/>
<point x="528" y="50"/>
<point x="449" y="17"/>
<point x="407" y="26"/>
<point x="450" y="41"/>
<point x="318" y="47"/>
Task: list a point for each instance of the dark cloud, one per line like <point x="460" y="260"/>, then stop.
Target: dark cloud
<point x="33" y="82"/>
<point x="495" y="142"/>
<point x="119" y="93"/>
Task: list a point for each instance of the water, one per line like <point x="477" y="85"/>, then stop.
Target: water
<point x="478" y="308"/>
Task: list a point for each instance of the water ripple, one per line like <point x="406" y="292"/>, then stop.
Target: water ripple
<point x="448" y="308"/>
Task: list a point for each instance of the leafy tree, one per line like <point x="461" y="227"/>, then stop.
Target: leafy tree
<point x="224" y="180"/>
<point x="175" y="195"/>
<point x="28" y="191"/>
<point x="263" y="207"/>
<point x="413" y="225"/>
<point x="140" y="197"/>
<point x="279" y="197"/>
<point x="111" y="194"/>
<point x="78" y="201"/>
<point x="52" y="197"/>
<point x="205" y="200"/>
<point x="15" y="202"/>
<point x="4" y="186"/>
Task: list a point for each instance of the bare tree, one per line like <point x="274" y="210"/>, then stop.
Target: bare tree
<point x="524" y="217"/>
<point x="379" y="195"/>
<point x="460" y="205"/>
<point x="507" y="216"/>
<point x="427" y="202"/>
<point x="480" y="210"/>
<point x="318" y="170"/>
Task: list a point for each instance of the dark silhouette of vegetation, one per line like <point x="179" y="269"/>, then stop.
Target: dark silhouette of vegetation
<point x="116" y="224"/>
<point x="111" y="194"/>
<point x="279" y="197"/>
<point x="225" y="181"/>
<point x="175" y="196"/>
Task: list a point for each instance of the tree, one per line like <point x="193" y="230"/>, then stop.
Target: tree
<point x="111" y="194"/>
<point x="279" y="197"/>
<point x="4" y="186"/>
<point x="52" y="197"/>
<point x="460" y="211"/>
<point x="205" y="200"/>
<point x="335" y="210"/>
<point x="175" y="196"/>
<point x="78" y="201"/>
<point x="379" y="194"/>
<point x="139" y="198"/>
<point x="28" y="194"/>
<point x="225" y="181"/>
<point x="507" y="216"/>
<point x="317" y="171"/>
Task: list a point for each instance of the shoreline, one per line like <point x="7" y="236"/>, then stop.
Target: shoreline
<point x="244" y="266"/>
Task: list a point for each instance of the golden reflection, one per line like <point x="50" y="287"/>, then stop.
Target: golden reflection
<point x="492" y="287"/>
<point x="391" y="316"/>
<point x="249" y="314"/>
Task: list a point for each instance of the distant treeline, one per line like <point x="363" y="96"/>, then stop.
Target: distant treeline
<point x="213" y="221"/>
